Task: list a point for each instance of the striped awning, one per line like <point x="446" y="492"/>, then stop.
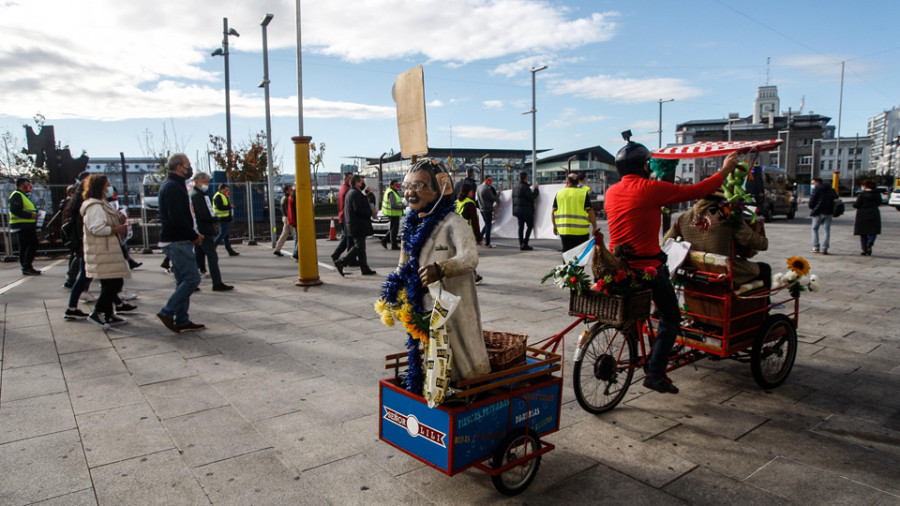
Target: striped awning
<point x="711" y="149"/>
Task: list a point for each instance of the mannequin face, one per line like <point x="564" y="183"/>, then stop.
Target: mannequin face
<point x="417" y="190"/>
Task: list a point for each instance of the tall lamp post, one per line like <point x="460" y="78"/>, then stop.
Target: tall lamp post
<point x="269" y="162"/>
<point x="533" y="113"/>
<point x="661" y="102"/>
<point x="223" y="51"/>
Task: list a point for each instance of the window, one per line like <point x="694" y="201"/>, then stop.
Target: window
<point x="691" y="168"/>
<point x="830" y="164"/>
<point x="831" y="152"/>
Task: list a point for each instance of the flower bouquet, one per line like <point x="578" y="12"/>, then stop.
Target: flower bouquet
<point x="569" y="276"/>
<point x="624" y="282"/>
<point x="797" y="278"/>
<point x="415" y="324"/>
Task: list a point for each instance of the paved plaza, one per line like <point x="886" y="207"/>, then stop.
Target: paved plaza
<point x="276" y="402"/>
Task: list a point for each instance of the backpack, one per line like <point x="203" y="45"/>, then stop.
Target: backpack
<point x="838" y="208"/>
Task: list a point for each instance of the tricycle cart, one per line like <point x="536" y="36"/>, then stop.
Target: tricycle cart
<point x="493" y="423"/>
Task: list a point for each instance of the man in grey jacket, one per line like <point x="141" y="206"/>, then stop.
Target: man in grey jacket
<point x="487" y="199"/>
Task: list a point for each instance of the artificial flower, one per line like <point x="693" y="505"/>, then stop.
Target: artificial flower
<point x="651" y="271"/>
<point x="799" y="265"/>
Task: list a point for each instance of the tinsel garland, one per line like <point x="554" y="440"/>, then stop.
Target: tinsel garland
<point x="416" y="231"/>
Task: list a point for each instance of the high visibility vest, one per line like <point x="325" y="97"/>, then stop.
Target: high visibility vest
<point x="586" y="188"/>
<point x="461" y="207"/>
<point x="571" y="217"/>
<point x="219" y="212"/>
<point x="27" y="205"/>
<point x="386" y="204"/>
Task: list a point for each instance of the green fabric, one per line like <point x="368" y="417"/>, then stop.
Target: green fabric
<point x="662" y="167"/>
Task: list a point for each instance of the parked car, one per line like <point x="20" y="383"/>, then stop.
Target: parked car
<point x="773" y="192"/>
<point x="382" y="224"/>
<point x="885" y="192"/>
<point x="894" y="199"/>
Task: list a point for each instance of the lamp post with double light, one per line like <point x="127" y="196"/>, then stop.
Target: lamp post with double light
<point x="659" y="132"/>
<point x="269" y="162"/>
<point x="223" y="51"/>
<point x="533" y="112"/>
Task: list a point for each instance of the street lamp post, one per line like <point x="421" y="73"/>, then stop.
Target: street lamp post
<point x="269" y="162"/>
<point x="533" y="112"/>
<point x="661" y="102"/>
<point x="223" y="51"/>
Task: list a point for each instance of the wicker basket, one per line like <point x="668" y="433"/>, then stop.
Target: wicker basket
<point x="611" y="309"/>
<point x="505" y="349"/>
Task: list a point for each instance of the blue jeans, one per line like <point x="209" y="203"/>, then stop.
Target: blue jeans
<point x="669" y="321"/>
<point x="867" y="241"/>
<point x="488" y="217"/>
<point x="187" y="279"/>
<point x="224" y="235"/>
<point x="825" y="221"/>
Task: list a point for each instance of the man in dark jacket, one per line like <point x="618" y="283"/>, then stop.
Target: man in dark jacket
<point x="358" y="221"/>
<point x="523" y="208"/>
<point x="487" y="199"/>
<point x="346" y="241"/>
<point x="821" y="205"/>
<point x="206" y="225"/>
<point x="177" y="237"/>
<point x="22" y="222"/>
<point x="469" y="180"/>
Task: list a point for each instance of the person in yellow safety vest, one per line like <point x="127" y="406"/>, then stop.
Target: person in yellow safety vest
<point x="466" y="208"/>
<point x="573" y="216"/>
<point x="392" y="206"/>
<point x="23" y="222"/>
<point x="222" y="207"/>
<point x="582" y="178"/>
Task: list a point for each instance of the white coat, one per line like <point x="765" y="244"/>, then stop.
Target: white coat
<point x="103" y="258"/>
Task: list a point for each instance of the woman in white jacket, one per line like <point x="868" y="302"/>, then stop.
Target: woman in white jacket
<point x="103" y="257"/>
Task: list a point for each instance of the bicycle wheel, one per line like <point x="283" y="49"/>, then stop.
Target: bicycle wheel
<point x="516" y="445"/>
<point x="774" y="351"/>
<point x="604" y="370"/>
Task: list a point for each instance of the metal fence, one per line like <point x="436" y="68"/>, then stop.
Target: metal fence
<point x="250" y="214"/>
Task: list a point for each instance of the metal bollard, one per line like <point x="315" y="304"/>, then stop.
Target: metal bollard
<point x="249" y="197"/>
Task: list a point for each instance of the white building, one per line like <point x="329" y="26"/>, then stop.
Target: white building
<point x="884" y="129"/>
<point x="855" y="157"/>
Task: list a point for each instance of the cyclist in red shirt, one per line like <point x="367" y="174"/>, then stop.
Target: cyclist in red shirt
<point x="633" y="214"/>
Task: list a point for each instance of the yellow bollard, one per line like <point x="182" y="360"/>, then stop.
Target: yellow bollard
<point x="308" y="263"/>
<point x="836" y="182"/>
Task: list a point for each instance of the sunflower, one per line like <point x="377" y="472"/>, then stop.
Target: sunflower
<point x="798" y="265"/>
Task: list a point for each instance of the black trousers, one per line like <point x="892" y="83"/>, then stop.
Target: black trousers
<point x="570" y="241"/>
<point x="526" y="223"/>
<point x="109" y="289"/>
<point x="358" y="251"/>
<point x="28" y="242"/>
<point x="393" y="231"/>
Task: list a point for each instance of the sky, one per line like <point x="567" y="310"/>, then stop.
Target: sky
<point x="114" y="76"/>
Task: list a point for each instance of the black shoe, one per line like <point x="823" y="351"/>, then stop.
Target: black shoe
<point x="369" y="272"/>
<point x="869" y="251"/>
<point x="661" y="385"/>
<point x="75" y="314"/>
<point x="222" y="288"/>
<point x="191" y="326"/>
<point x="112" y="319"/>
<point x="278" y="253"/>
<point x="340" y="267"/>
<point x="31" y="272"/>
<point x="233" y="253"/>
<point x="67" y="285"/>
<point x="96" y="320"/>
<point x="526" y="247"/>
<point x="395" y="247"/>
<point x="478" y="279"/>
<point x="134" y="265"/>
<point x="384" y="244"/>
<point x="168" y="322"/>
<point x="125" y="308"/>
<point x="197" y="289"/>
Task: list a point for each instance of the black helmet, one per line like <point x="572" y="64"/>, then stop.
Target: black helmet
<point x="632" y="158"/>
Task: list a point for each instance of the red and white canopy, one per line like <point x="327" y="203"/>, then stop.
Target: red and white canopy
<point x="711" y="149"/>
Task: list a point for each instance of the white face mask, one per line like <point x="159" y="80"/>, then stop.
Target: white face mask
<point x="202" y="187"/>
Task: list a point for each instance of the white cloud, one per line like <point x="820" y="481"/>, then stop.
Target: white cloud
<point x="624" y="90"/>
<point x="526" y="63"/>
<point x="487" y="133"/>
<point x="436" y="103"/>
<point x="493" y="104"/>
<point x="571" y="116"/>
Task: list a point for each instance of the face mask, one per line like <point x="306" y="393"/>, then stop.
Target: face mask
<point x="190" y="172"/>
<point x="202" y="187"/>
<point x="362" y="187"/>
<point x="109" y="192"/>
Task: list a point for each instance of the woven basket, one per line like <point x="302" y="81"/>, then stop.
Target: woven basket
<point x="505" y="349"/>
<point x="611" y="309"/>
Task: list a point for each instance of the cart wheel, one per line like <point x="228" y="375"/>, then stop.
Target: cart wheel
<point x="774" y="351"/>
<point x="516" y="445"/>
<point x="603" y="374"/>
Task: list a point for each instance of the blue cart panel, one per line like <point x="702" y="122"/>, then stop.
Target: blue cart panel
<point x="453" y="438"/>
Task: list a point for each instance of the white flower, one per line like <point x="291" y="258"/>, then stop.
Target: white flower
<point x="813" y="278"/>
<point x="777" y="279"/>
<point x="789" y="277"/>
<point x="813" y="287"/>
<point x="804" y="280"/>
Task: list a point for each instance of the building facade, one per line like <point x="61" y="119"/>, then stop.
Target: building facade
<point x="884" y="130"/>
<point x="852" y="159"/>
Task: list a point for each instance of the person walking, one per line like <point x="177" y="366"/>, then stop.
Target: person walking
<point x="572" y="215"/>
<point x="23" y="222"/>
<point x="867" y="224"/>
<point x="177" y="236"/>
<point x="103" y="257"/>
<point x="487" y="198"/>
<point x="466" y="208"/>
<point x="346" y="241"/>
<point x="392" y="206"/>
<point x="223" y="209"/>
<point x="523" y="209"/>
<point x="358" y="217"/>
<point x="206" y="225"/>
<point x="821" y="205"/>
<point x="290" y="229"/>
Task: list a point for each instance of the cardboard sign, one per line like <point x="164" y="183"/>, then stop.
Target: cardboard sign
<point x="409" y="95"/>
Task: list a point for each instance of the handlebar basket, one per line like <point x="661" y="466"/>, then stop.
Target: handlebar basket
<point x="612" y="309"/>
<point x="505" y="349"/>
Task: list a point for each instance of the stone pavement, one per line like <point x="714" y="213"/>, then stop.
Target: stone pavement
<point x="277" y="401"/>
